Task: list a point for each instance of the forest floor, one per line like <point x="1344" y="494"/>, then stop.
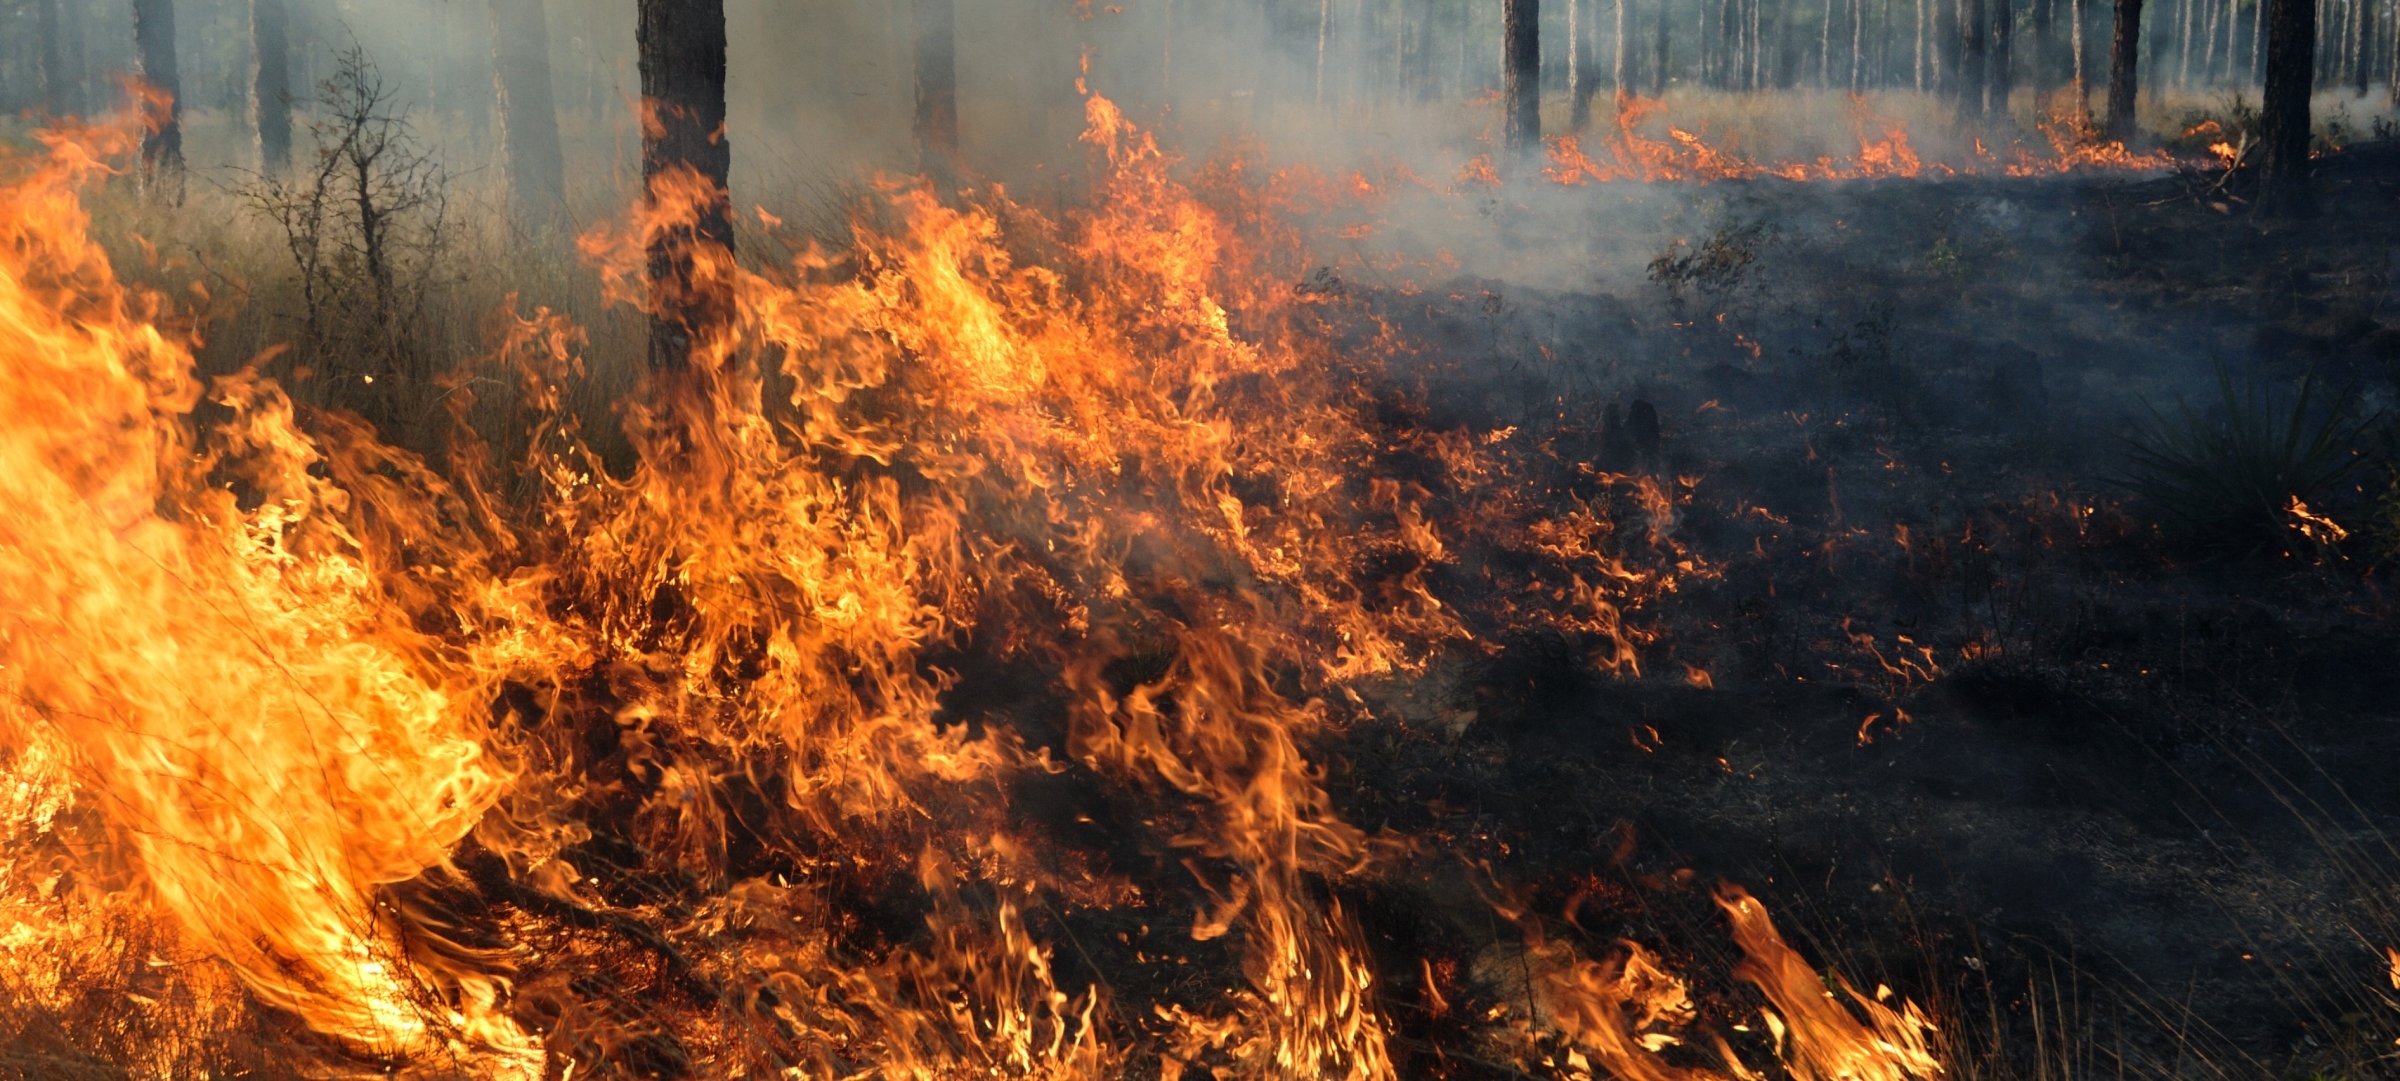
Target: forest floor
<point x="1935" y="681"/>
<point x="2141" y="807"/>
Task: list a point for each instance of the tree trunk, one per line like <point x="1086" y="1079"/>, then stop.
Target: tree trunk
<point x="1324" y="38"/>
<point x="2283" y="114"/>
<point x="2208" y="41"/>
<point x="2258" y="39"/>
<point x="154" y="44"/>
<point x="537" y="166"/>
<point x="2083" y="85"/>
<point x="1825" y="46"/>
<point x="1974" y="75"/>
<point x="682" y="46"/>
<point x="2004" y="37"/>
<point x="2045" y="49"/>
<point x="1587" y="87"/>
<point x="1575" y="65"/>
<point x="937" y="83"/>
<point x="1921" y="45"/>
<point x="271" y="84"/>
<point x="1945" y="46"/>
<point x="1760" y="70"/>
<point x="1858" y="44"/>
<point x="2366" y="44"/>
<point x="1623" y="51"/>
<point x="1658" y="71"/>
<point x="2124" y="66"/>
<point x="1521" y="37"/>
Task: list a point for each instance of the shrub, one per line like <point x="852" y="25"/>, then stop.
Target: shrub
<point x="2224" y="479"/>
<point x="365" y="221"/>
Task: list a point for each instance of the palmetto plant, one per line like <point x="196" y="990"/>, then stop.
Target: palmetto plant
<point x="2224" y="478"/>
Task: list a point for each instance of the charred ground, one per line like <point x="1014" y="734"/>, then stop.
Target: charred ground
<point x="2150" y="777"/>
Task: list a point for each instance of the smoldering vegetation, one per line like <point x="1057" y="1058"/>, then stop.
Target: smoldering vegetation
<point x="2028" y="641"/>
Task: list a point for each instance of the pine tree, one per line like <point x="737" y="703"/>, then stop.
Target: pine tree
<point x="682" y="47"/>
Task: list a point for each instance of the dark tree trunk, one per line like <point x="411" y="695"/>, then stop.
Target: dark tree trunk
<point x="2124" y="67"/>
<point x="1587" y="82"/>
<point x="2004" y="43"/>
<point x="2044" y="68"/>
<point x="537" y="165"/>
<point x="271" y="84"/>
<point x="1521" y="39"/>
<point x="2365" y="49"/>
<point x="1658" y="72"/>
<point x="937" y="82"/>
<point x="1974" y="75"/>
<point x="682" y="45"/>
<point x="154" y="44"/>
<point x="1948" y="38"/>
<point x="2283" y="187"/>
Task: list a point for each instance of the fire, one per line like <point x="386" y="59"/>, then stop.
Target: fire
<point x="383" y="741"/>
<point x="1885" y="150"/>
<point x="201" y="665"/>
<point x="2319" y="530"/>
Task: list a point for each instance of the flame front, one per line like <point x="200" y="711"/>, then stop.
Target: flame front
<point x="200" y="654"/>
<point x="1643" y="149"/>
<point x="397" y="747"/>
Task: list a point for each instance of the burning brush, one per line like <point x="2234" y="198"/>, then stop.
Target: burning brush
<point x="940" y="694"/>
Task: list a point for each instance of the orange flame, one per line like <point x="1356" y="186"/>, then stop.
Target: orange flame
<point x="296" y="676"/>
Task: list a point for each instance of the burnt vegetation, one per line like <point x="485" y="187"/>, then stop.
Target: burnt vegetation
<point x="1375" y="590"/>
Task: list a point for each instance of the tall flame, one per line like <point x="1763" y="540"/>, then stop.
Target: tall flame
<point x="327" y="704"/>
<point x="200" y="646"/>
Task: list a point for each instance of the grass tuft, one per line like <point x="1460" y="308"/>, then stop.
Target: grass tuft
<point x="2222" y="479"/>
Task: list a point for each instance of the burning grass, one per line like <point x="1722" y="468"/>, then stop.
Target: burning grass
<point x="988" y="660"/>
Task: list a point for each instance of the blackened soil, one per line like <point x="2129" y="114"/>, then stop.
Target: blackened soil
<point x="2140" y="770"/>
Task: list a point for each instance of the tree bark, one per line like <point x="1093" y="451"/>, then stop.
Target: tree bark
<point x="2124" y="67"/>
<point x="1574" y="50"/>
<point x="2004" y="37"/>
<point x="2083" y="86"/>
<point x="1825" y="46"/>
<point x="1587" y="52"/>
<point x="1858" y="45"/>
<point x="682" y="46"/>
<point x="1324" y="38"/>
<point x="2365" y="48"/>
<point x="537" y="166"/>
<point x="154" y="45"/>
<point x="1974" y="73"/>
<point x="1623" y="51"/>
<point x="2045" y="49"/>
<point x="937" y="84"/>
<point x="1658" y="73"/>
<point x="1521" y="37"/>
<point x="271" y="84"/>
<point x="2283" y="187"/>
<point x="1920" y="45"/>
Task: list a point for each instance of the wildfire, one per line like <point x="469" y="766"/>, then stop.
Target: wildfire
<point x="395" y="746"/>
<point x="1885" y="150"/>
<point x="2319" y="530"/>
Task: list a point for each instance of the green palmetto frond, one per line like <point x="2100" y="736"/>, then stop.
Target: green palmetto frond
<point x="2224" y="479"/>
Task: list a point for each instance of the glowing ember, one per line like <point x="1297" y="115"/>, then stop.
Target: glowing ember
<point x="2318" y="529"/>
<point x="1633" y="153"/>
